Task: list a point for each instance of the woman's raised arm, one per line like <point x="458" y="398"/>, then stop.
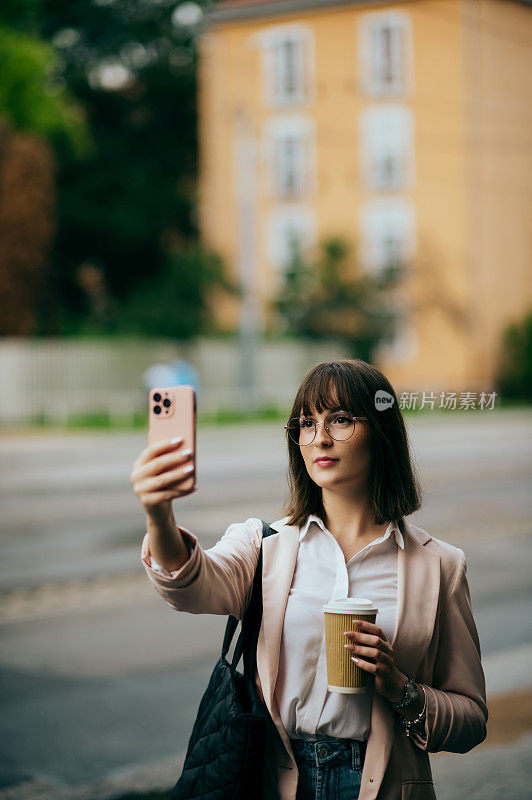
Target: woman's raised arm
<point x="158" y="476"/>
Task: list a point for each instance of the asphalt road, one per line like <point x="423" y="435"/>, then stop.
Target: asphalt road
<point x="100" y="680"/>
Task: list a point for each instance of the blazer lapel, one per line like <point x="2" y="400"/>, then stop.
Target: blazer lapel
<point x="418" y="589"/>
<point x="279" y="556"/>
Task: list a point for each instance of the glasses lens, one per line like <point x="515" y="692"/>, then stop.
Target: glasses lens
<point x="301" y="431"/>
<point x="340" y="426"/>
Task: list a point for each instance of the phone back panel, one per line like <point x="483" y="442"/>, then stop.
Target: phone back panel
<point x="172" y="414"/>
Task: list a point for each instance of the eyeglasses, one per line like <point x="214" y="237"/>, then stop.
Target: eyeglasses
<point x="340" y="426"/>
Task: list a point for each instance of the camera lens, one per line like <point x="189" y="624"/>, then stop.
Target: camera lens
<point x="167" y="403"/>
<point x="157" y="397"/>
<point x="157" y="409"/>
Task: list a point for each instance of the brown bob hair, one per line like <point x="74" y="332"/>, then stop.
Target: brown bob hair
<point x="350" y="385"/>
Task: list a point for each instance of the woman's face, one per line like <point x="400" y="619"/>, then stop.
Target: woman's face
<point x="344" y="465"/>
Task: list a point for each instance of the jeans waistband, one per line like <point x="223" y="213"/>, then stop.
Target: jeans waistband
<point x="325" y="751"/>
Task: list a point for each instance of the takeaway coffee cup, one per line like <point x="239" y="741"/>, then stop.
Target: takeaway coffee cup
<point x="343" y="675"/>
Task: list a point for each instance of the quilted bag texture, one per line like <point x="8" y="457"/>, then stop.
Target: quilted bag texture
<point x="225" y="754"/>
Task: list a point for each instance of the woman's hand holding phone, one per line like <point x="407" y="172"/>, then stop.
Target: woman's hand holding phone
<point x="158" y="476"/>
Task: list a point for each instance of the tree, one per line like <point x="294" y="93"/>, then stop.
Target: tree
<point x="35" y="110"/>
<point x="323" y="300"/>
<point x="132" y="67"/>
<point x="111" y="86"/>
<point x="174" y="304"/>
<point x="515" y="368"/>
<point x="33" y="96"/>
<point x="26" y="228"/>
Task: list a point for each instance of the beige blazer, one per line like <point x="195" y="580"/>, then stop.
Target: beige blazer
<point x="436" y="642"/>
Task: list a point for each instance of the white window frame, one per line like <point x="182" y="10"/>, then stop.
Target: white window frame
<point x="387" y="225"/>
<point x="289" y="149"/>
<point x="373" y="63"/>
<point x="380" y="218"/>
<point x="282" y="220"/>
<point x="387" y="139"/>
<point x="275" y="43"/>
<point x="404" y="343"/>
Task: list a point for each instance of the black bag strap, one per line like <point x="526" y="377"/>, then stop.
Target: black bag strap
<point x="249" y="633"/>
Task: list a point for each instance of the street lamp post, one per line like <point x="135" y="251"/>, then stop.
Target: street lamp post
<point x="245" y="161"/>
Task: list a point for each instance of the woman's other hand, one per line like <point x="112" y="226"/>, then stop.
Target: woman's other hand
<point x="370" y="642"/>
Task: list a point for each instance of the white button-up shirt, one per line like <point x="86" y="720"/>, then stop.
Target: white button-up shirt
<point x="322" y="574"/>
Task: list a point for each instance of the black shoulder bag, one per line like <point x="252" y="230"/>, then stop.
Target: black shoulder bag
<point x="225" y="755"/>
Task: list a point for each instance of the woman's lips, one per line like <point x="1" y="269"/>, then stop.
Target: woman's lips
<point x="326" y="462"/>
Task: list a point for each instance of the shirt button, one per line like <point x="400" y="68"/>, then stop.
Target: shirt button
<point x="323" y="751"/>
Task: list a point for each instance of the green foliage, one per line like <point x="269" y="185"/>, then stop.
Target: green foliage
<point x="175" y="304"/>
<point x="21" y="13"/>
<point x="112" y="87"/>
<point x="323" y="300"/>
<point x="136" y="189"/>
<point x="32" y="97"/>
<point x="515" y="371"/>
<point x="172" y="303"/>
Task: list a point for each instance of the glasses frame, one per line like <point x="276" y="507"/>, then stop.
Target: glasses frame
<point x="324" y="423"/>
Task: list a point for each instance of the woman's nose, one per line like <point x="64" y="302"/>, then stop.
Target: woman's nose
<point x="322" y="437"/>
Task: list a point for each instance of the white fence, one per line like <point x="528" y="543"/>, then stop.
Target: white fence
<point x="61" y="378"/>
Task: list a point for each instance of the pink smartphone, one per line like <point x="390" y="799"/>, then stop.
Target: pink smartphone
<point x="172" y="413"/>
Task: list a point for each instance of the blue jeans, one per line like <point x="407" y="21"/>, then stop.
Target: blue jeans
<point x="329" y="769"/>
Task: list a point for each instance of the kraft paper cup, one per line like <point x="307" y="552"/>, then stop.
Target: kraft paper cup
<point x="343" y="675"/>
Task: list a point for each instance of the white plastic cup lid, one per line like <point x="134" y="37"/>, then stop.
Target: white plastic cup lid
<point x="350" y="605"/>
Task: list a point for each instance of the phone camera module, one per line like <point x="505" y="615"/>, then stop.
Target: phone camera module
<point x="157" y="398"/>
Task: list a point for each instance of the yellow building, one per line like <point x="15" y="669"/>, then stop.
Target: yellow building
<point x="403" y="127"/>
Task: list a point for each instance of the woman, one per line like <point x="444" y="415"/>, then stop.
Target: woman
<point x="345" y="534"/>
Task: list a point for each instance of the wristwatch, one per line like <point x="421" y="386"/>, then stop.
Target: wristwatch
<point x="410" y="694"/>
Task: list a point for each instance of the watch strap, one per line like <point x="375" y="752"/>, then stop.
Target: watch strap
<point x="405" y="699"/>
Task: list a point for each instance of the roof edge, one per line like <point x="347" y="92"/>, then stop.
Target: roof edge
<point x="226" y="11"/>
<point x="276" y="8"/>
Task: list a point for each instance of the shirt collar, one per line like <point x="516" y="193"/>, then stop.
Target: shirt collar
<point x="393" y="527"/>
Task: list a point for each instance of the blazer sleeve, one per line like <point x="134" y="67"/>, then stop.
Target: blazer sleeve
<point x="456" y="710"/>
<point x="214" y="581"/>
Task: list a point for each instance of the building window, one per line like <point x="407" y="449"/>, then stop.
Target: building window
<point x="291" y="157"/>
<point x="290" y="165"/>
<point x="291" y="236"/>
<point x="385" y="47"/>
<point x="287" y="64"/>
<point x="387" y="148"/>
<point x="388" y="235"/>
<point x="388" y="245"/>
<point x="289" y="57"/>
<point x="400" y="342"/>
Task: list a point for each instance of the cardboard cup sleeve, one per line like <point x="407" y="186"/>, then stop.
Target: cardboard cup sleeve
<point x="343" y="675"/>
